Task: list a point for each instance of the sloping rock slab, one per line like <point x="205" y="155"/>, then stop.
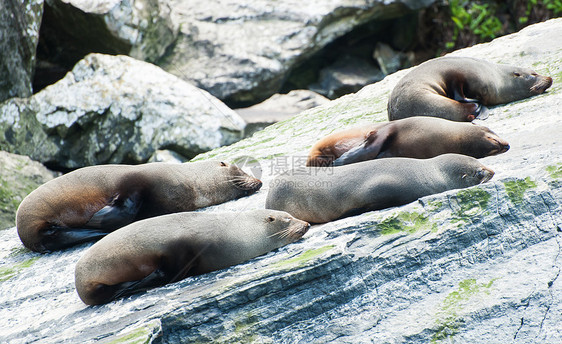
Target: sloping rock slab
<point x="113" y="109"/>
<point x="478" y="265"/>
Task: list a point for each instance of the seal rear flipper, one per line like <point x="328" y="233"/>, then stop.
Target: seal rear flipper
<point x="120" y="212"/>
<point x="57" y="238"/>
<point x="368" y="150"/>
<point x="156" y="278"/>
<point x="482" y="112"/>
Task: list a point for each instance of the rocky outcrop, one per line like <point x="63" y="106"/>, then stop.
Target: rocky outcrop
<point x="113" y="109"/>
<point x="477" y="265"/>
<point x="19" y="33"/>
<point x="269" y="39"/>
<point x="140" y="28"/>
<point x="19" y="175"/>
<point x="241" y="52"/>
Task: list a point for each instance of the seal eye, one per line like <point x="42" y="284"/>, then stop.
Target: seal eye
<point x="223" y="164"/>
<point x="516" y="74"/>
<point x="270" y="219"/>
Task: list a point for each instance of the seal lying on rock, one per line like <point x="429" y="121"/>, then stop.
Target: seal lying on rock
<point x="460" y="88"/>
<point x="90" y="202"/>
<point x="414" y="137"/>
<point x="319" y="195"/>
<point x="169" y="248"/>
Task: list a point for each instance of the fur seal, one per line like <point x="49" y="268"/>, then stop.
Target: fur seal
<point x="414" y="137"/>
<point x="169" y="248"/>
<point x="460" y="88"/>
<point x="90" y="202"/>
<point x="323" y="195"/>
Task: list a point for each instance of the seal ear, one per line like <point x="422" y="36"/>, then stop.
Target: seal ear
<point x="368" y="149"/>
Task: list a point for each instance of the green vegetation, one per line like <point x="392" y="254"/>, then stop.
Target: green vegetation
<point x="471" y="201"/>
<point x="476" y="17"/>
<point x="448" y="317"/>
<point x="303" y="258"/>
<point x="141" y="335"/>
<point x="516" y="189"/>
<point x="467" y="22"/>
<point x="553" y="5"/>
<point x="555" y="171"/>
<point x="8" y="272"/>
<point x="406" y="222"/>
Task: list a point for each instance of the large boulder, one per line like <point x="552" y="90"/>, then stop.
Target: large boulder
<point x="113" y="109"/>
<point x="19" y="175"/>
<point x="238" y="51"/>
<point x="243" y="51"/>
<point x="478" y="265"/>
<point x="140" y="28"/>
<point x="19" y="34"/>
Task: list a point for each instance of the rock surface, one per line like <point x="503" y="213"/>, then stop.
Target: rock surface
<point x="140" y="28"/>
<point x="114" y="109"/>
<point x="19" y="175"/>
<point x="242" y="51"/>
<point x="478" y="265"/>
<point x="19" y="33"/>
<point x="278" y="107"/>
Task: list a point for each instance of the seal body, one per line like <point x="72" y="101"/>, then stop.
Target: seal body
<point x="90" y="202"/>
<point x="415" y="137"/>
<point x="319" y="195"/>
<point x="168" y="248"/>
<point x="460" y="88"/>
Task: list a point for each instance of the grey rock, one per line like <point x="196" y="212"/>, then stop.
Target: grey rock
<point x="478" y="265"/>
<point x="19" y="175"/>
<point x="391" y="61"/>
<point x="141" y="28"/>
<point x="277" y="108"/>
<point x="241" y="51"/>
<point x="347" y="75"/>
<point x="113" y="109"/>
<point x="19" y="34"/>
<point x="166" y="155"/>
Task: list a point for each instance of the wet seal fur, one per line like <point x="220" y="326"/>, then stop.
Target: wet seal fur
<point x="415" y="137"/>
<point x="319" y="195"/>
<point x="88" y="203"/>
<point x="169" y="248"/>
<point x="460" y="88"/>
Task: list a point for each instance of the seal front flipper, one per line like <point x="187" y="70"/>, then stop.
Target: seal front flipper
<point x="155" y="279"/>
<point x="368" y="150"/>
<point x="58" y="238"/>
<point x="482" y="112"/>
<point x="120" y="212"/>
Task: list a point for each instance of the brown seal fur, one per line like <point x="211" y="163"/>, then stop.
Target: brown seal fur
<point x="319" y="195"/>
<point x="90" y="202"/>
<point x="460" y="88"/>
<point x="169" y="248"/>
<point x="414" y="137"/>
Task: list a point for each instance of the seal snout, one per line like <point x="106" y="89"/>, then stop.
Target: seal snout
<point x="487" y="174"/>
<point x="249" y="184"/>
<point x="299" y="229"/>
<point x="542" y="84"/>
<point x="500" y="145"/>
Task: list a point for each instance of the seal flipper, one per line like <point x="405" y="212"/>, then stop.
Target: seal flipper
<point x="369" y="149"/>
<point x="57" y="238"/>
<point x="482" y="112"/>
<point x="155" y="279"/>
<point x="120" y="212"/>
